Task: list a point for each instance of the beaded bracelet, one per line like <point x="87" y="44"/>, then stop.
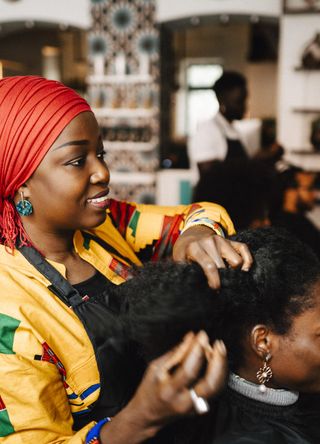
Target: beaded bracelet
<point x="93" y="436"/>
<point x="204" y="221"/>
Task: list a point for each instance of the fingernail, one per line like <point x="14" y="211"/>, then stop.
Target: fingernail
<point x="188" y="336"/>
<point x="203" y="338"/>
<point x="245" y="269"/>
<point x="221" y="347"/>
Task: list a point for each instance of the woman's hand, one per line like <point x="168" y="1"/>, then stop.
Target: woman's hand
<point x="200" y="244"/>
<point x="164" y="392"/>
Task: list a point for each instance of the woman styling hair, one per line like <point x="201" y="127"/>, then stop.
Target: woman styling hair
<point x="269" y="320"/>
<point x="63" y="244"/>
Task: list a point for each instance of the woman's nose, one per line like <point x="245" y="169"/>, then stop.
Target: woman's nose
<point x="100" y="173"/>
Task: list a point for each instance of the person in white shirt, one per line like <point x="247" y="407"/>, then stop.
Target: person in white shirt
<point x="218" y="138"/>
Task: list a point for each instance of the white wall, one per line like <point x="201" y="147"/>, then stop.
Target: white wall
<point x="296" y="88"/>
<point x="69" y="12"/>
<point x="77" y="12"/>
<point x="175" y="9"/>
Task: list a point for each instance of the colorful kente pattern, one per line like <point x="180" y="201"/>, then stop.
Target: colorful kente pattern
<point x="6" y="427"/>
<point x="75" y="400"/>
<point x="8" y="327"/>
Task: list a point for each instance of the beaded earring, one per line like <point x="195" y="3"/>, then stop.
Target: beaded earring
<point x="24" y="207"/>
<point x="264" y="374"/>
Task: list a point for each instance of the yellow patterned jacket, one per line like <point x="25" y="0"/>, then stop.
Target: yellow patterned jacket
<point x="48" y="371"/>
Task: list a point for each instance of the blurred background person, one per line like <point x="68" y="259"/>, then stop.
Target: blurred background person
<point x="295" y="196"/>
<point x="243" y="185"/>
<point x="271" y="151"/>
<point x="218" y="138"/>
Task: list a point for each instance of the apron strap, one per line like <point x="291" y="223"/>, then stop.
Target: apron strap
<point x="114" y="356"/>
<point x="59" y="285"/>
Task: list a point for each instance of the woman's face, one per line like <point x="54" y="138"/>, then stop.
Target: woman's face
<point x="69" y="189"/>
<point x="296" y="360"/>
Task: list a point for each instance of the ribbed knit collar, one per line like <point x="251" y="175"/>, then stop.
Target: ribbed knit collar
<point x="279" y="397"/>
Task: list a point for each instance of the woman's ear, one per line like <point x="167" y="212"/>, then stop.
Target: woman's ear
<point x="22" y="193"/>
<point x="262" y="341"/>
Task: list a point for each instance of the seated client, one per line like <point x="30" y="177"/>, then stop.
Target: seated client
<point x="269" y="320"/>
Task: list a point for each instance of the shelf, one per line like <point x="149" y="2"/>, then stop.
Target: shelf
<point x="132" y="178"/>
<point x="118" y="79"/>
<point x="306" y="110"/>
<point x="307" y="151"/>
<point x="303" y="69"/>
<point x="308" y="160"/>
<point x="303" y="10"/>
<point x="125" y="112"/>
<point x="130" y="146"/>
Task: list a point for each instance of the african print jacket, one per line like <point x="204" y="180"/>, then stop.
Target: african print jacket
<point x="48" y="370"/>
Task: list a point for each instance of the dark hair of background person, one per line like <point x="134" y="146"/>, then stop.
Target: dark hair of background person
<point x="166" y="300"/>
<point x="294" y="196"/>
<point x="244" y="187"/>
<point x="228" y="81"/>
<point x="284" y="180"/>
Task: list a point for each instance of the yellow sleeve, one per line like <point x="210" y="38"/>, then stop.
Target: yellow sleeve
<point x="152" y="230"/>
<point x="33" y="403"/>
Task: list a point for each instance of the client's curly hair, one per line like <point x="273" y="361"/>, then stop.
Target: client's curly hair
<point x="165" y="299"/>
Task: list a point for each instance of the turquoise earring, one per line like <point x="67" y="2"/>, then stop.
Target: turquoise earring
<point x="24" y="207"/>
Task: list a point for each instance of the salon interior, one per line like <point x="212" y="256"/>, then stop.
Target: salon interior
<point x="147" y="68"/>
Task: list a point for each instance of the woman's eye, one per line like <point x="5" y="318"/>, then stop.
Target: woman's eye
<point x="78" y="162"/>
<point x="101" y="154"/>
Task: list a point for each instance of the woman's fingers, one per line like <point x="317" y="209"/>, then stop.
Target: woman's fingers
<point x="236" y="254"/>
<point x="164" y="392"/>
<point x="216" y="373"/>
<point x="208" y="262"/>
<point x="185" y="376"/>
<point x="173" y="358"/>
<point x="244" y="252"/>
<point x="200" y="244"/>
<point x="188" y="370"/>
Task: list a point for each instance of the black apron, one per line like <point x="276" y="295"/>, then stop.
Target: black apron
<point x="235" y="150"/>
<point x="119" y="365"/>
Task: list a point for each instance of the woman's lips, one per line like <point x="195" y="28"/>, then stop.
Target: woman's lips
<point x="100" y="202"/>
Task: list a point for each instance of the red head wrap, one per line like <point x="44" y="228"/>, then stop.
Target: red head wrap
<point x="33" y="112"/>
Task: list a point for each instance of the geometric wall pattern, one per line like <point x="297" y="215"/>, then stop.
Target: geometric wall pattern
<point x="123" y="89"/>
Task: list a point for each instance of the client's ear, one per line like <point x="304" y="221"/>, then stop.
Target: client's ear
<point x="262" y="341"/>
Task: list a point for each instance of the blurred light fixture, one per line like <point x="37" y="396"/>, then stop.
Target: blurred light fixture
<point x="63" y="26"/>
<point x="194" y="20"/>
<point x="29" y="24"/>
<point x="50" y="51"/>
<point x="224" y="18"/>
<point x="254" y="19"/>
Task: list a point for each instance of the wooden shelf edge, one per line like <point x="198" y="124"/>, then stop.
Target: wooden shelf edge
<point x="130" y="146"/>
<point x="125" y="112"/>
<point x="306" y="110"/>
<point x="132" y="178"/>
<point x="304" y="69"/>
<point x="95" y="79"/>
